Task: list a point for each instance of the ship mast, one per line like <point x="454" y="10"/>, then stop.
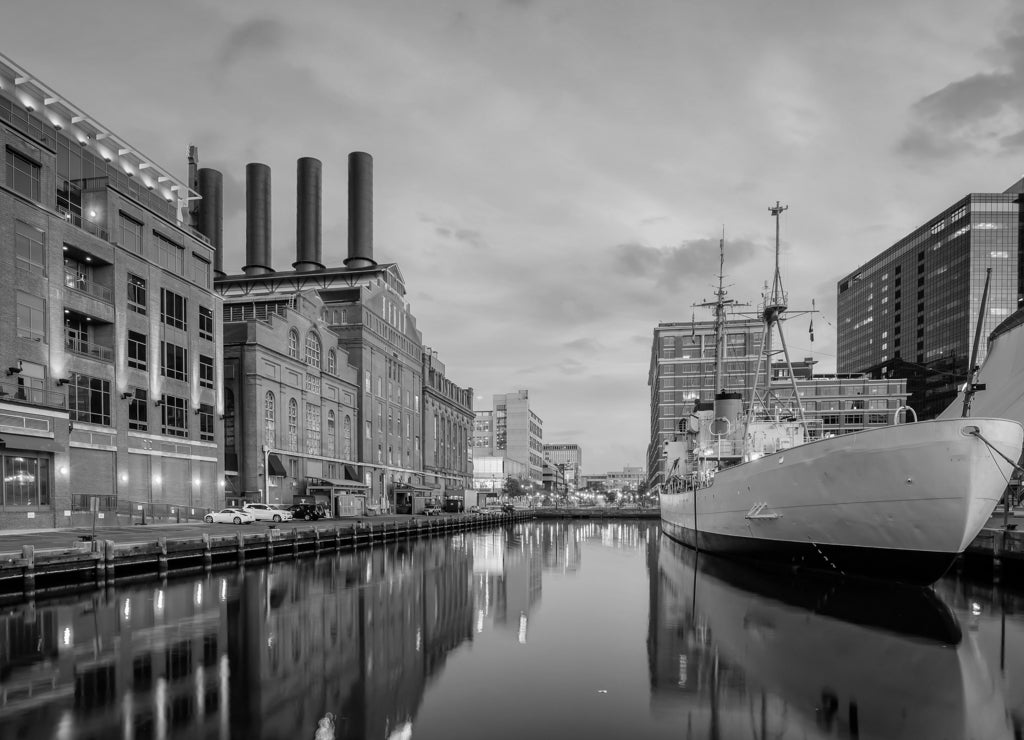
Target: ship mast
<point x="720" y="306"/>
<point x="775" y="305"/>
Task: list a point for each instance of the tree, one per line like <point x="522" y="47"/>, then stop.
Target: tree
<point x="610" y="496"/>
<point x="512" y="487"/>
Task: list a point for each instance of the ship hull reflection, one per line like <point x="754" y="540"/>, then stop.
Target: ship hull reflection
<point x="787" y="656"/>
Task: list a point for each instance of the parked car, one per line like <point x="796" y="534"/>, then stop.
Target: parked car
<point x="309" y="512"/>
<point x="267" y="512"/>
<point x="432" y="510"/>
<point x="474" y="509"/>
<point x="229" y="516"/>
<point x="507" y="508"/>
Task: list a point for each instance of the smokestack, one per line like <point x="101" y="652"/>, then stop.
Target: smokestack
<point x="360" y="210"/>
<point x="308" y="231"/>
<point x="257" y="219"/>
<point x="210" y="213"/>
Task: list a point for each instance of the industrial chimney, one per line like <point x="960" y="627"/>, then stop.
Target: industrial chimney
<point x="308" y="229"/>
<point x="210" y="213"/>
<point x="360" y="210"/>
<point x="257" y="219"/>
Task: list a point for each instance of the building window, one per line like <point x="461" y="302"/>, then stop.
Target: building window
<point x="293" y="425"/>
<point x="200" y="271"/>
<point x="136" y="294"/>
<point x="366" y="381"/>
<point x="31" y="321"/>
<point x="173" y="361"/>
<point x="205" y="323"/>
<point x="138" y="352"/>
<point x="138" y="410"/>
<point x="270" y="420"/>
<point x="169" y="255"/>
<point x="346" y="438"/>
<point x="367" y="429"/>
<point x="131" y="234"/>
<point x="312" y="429"/>
<point x="173" y="309"/>
<point x="313" y="383"/>
<point x="206" y="422"/>
<point x="22" y="175"/>
<point x="29" y="247"/>
<point x="175" y="416"/>
<point x="313" y="350"/>
<point x="332" y="362"/>
<point x="89" y="399"/>
<point x="205" y="371"/>
<point x="293" y="344"/>
<point x="25" y="480"/>
<point x="332" y="435"/>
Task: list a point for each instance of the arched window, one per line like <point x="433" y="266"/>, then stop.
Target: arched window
<point x="293" y="425"/>
<point x="346" y="431"/>
<point x="270" y="420"/>
<point x="332" y="451"/>
<point x="313" y="350"/>
<point x="293" y="344"/>
<point x="332" y="362"/>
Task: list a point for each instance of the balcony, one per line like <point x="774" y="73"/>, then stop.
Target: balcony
<point x="73" y="342"/>
<point x="16" y="393"/>
<point x="76" y="281"/>
<point x="83" y="223"/>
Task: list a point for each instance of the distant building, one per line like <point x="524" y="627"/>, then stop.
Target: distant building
<point x="490" y="472"/>
<point x="111" y="392"/>
<point x="511" y="429"/>
<point x="912" y="310"/>
<point x="447" y="428"/>
<point x="568" y="459"/>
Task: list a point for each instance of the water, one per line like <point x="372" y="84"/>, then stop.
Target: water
<point x="554" y="629"/>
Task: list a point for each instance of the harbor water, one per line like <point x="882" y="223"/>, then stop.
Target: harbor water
<point x="536" y="629"/>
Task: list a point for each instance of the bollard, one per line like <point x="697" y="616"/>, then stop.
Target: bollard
<point x="28" y="552"/>
<point x="161" y="558"/>
<point x="207" y="552"/>
<point x="97" y="547"/>
<point x="108" y="556"/>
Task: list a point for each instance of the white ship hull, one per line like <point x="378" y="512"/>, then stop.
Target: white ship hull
<point x="898" y="502"/>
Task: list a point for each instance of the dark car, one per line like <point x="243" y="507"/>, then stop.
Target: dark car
<point x="507" y="508"/>
<point x="309" y="512"/>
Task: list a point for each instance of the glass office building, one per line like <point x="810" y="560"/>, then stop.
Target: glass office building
<point x="911" y="312"/>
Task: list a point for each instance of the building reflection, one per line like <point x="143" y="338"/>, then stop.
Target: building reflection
<point x="264" y="652"/>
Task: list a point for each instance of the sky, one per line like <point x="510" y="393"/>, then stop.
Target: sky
<point x="553" y="176"/>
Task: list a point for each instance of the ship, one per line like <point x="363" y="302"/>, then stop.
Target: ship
<point x="899" y="502"/>
<point x="763" y="652"/>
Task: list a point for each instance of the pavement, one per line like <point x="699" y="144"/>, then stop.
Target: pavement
<point x="12" y="540"/>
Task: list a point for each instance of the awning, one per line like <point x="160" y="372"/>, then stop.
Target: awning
<point x="351" y="474"/>
<point x="276" y="468"/>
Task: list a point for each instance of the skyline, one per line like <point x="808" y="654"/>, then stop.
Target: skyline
<point x="553" y="178"/>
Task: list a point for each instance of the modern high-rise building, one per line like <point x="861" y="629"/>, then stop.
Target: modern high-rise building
<point x="110" y="398"/>
<point x="912" y="311"/>
<point x="511" y="429"/>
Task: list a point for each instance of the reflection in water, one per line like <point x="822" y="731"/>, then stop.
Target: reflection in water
<point x="601" y="629"/>
<point x="754" y="654"/>
<point x="267" y="652"/>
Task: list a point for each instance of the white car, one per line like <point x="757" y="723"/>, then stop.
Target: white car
<point x="229" y="516"/>
<point x="267" y="512"/>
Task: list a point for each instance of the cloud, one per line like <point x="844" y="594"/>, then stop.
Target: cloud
<point x="980" y="113"/>
<point x="254" y="38"/>
<point x="586" y="345"/>
<point x="667" y="268"/>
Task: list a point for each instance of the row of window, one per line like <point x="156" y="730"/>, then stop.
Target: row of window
<point x="89" y="402"/>
<point x="312" y="436"/>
